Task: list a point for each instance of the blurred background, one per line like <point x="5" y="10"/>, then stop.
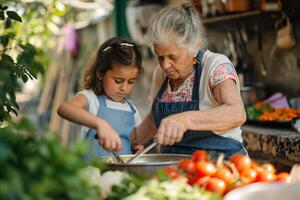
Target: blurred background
<point x="45" y="46"/>
<point x="64" y="35"/>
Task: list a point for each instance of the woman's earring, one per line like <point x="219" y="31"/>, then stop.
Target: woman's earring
<point x="195" y="60"/>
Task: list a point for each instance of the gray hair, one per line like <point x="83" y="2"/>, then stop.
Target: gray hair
<point x="179" y="23"/>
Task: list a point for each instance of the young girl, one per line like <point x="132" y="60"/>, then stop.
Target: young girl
<point x="108" y="117"/>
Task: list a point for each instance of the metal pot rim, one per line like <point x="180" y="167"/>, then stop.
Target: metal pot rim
<point x="177" y="158"/>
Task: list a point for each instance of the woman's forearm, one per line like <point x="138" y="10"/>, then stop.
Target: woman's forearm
<point x="146" y="130"/>
<point x="78" y="115"/>
<point x="228" y="115"/>
<point x="220" y="119"/>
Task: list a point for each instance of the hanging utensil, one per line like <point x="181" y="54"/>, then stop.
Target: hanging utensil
<point x="139" y="154"/>
<point x="234" y="57"/>
<point x="263" y="68"/>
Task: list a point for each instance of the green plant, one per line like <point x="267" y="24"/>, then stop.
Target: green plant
<point x="37" y="167"/>
<point x="18" y="63"/>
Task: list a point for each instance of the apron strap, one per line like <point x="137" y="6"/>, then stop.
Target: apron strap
<point x="198" y="69"/>
<point x="131" y="105"/>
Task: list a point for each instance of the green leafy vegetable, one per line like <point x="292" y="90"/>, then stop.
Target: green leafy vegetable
<point x="255" y="111"/>
<point x="38" y="167"/>
<point x="136" y="188"/>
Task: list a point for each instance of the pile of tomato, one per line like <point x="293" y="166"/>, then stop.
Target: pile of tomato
<point x="222" y="176"/>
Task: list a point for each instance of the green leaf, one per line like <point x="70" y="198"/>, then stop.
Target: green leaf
<point x="13" y="15"/>
<point x="8" y="107"/>
<point x="24" y="78"/>
<point x="14" y="111"/>
<point x="7" y="117"/>
<point x="2" y="17"/>
<point x="4" y="40"/>
<point x="8" y="59"/>
<point x="4" y="7"/>
<point x="7" y="23"/>
<point x="100" y="165"/>
<point x="15" y="104"/>
<point x="5" y="150"/>
<point x="27" y="125"/>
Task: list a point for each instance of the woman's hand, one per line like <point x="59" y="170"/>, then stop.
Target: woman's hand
<point x="107" y="137"/>
<point x="171" y="129"/>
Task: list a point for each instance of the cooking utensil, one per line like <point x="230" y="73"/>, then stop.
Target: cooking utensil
<point x="263" y="68"/>
<point x="252" y="94"/>
<point x="148" y="148"/>
<point x="237" y="5"/>
<point x="118" y="158"/>
<point x="234" y="56"/>
<point x="146" y="164"/>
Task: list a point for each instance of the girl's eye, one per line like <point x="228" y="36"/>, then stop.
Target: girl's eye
<point x="118" y="81"/>
<point x="131" y="81"/>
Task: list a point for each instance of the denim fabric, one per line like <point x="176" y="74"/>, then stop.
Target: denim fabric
<point x="121" y="121"/>
<point x="192" y="140"/>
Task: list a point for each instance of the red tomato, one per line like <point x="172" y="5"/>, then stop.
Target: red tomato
<point x="265" y="176"/>
<point x="192" y="180"/>
<point x="216" y="185"/>
<point x="225" y="175"/>
<point x="283" y="177"/>
<point x="254" y="164"/>
<point x="199" y="155"/>
<point x="240" y="161"/>
<point x="248" y="175"/>
<point x="187" y="165"/>
<point x="269" y="167"/>
<point x="204" y="168"/>
<point x="172" y="172"/>
<point x="202" y="181"/>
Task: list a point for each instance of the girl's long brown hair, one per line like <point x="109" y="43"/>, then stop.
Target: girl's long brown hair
<point x="112" y="51"/>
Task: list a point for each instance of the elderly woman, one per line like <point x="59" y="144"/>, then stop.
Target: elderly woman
<point x="197" y="103"/>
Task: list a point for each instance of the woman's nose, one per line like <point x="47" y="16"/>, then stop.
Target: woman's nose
<point x="165" y="65"/>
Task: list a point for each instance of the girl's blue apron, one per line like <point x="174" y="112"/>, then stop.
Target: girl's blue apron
<point x="121" y="121"/>
<point x="193" y="140"/>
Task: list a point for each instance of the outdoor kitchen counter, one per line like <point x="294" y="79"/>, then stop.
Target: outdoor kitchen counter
<point x="279" y="145"/>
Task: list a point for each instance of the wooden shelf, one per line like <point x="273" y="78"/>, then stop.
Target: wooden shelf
<point x="218" y="19"/>
<point x="253" y="16"/>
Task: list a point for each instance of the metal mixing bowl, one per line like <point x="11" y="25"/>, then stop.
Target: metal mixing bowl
<point x="265" y="191"/>
<point x="146" y="164"/>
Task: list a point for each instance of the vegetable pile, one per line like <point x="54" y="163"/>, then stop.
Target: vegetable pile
<point x="223" y="176"/>
<point x="265" y="112"/>
<point x="37" y="167"/>
<point x="160" y="187"/>
<point x="198" y="178"/>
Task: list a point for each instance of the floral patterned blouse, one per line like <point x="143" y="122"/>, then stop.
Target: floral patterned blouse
<point x="184" y="91"/>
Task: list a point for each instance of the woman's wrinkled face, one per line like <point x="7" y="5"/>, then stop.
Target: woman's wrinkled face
<point x="175" y="60"/>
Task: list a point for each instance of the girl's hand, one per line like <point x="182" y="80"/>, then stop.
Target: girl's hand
<point x="107" y="137"/>
<point x="171" y="129"/>
<point x="137" y="148"/>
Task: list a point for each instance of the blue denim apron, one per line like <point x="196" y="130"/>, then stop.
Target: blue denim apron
<point x="121" y="121"/>
<point x="192" y="140"/>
